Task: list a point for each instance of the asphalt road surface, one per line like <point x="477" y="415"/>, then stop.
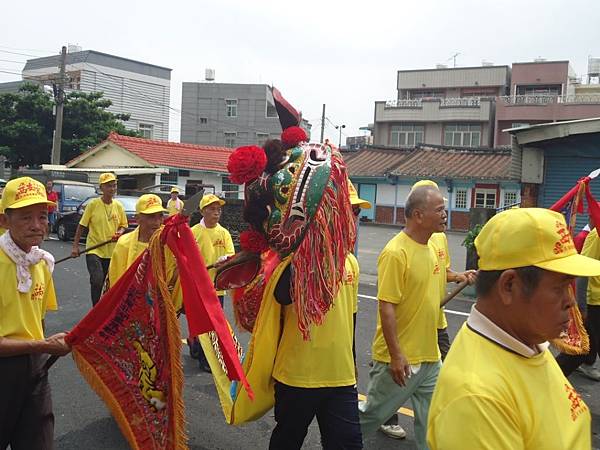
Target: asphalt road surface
<point x="83" y="422"/>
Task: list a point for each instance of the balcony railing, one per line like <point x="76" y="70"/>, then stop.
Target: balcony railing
<point x="550" y="99"/>
<point x="403" y="103"/>
<point x="469" y="102"/>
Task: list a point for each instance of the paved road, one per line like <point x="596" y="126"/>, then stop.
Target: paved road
<point x="82" y="420"/>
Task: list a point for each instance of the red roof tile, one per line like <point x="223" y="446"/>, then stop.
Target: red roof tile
<point x="172" y="154"/>
<point x="438" y="162"/>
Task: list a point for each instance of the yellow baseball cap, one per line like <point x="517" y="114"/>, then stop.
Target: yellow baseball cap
<point x="22" y="192"/>
<point x="106" y="178"/>
<point x="355" y="200"/>
<point x="531" y="237"/>
<point x="208" y="199"/>
<point x="174" y="189"/>
<point x="149" y="204"/>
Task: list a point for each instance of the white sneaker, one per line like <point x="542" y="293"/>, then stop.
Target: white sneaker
<point x="393" y="431"/>
<point x="590" y="372"/>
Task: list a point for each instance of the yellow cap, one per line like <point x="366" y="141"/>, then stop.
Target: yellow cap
<point x="208" y="199"/>
<point x="174" y="189"/>
<point x="107" y="177"/>
<point x="149" y="204"/>
<point x="22" y="192"/>
<point x="531" y="237"/>
<point x="355" y="200"/>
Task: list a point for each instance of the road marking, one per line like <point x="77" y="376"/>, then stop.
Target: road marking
<point x="402" y="410"/>
<point x="448" y="311"/>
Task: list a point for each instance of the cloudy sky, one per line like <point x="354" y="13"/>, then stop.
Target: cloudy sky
<point x="341" y="53"/>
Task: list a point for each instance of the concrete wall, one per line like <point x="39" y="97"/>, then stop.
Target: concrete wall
<point x="204" y="119"/>
<point x="455" y="77"/>
<point x="531" y="73"/>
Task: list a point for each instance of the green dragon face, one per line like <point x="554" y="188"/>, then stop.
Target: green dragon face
<point x="297" y="190"/>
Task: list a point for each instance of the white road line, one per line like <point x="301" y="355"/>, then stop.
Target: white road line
<point x="448" y="311"/>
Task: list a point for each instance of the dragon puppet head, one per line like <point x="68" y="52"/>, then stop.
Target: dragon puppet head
<point x="297" y="205"/>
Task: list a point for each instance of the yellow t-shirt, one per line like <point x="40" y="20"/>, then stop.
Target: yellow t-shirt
<point x="222" y="245"/>
<point x="174" y="206"/>
<point x="326" y="360"/>
<point x="102" y="222"/>
<point x="21" y="314"/>
<point x="591" y="248"/>
<point x="440" y="245"/>
<point x="127" y="249"/>
<point x="487" y="397"/>
<point x="408" y="276"/>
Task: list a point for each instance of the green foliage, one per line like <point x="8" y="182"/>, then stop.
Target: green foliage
<point x="469" y="241"/>
<point x="27" y="125"/>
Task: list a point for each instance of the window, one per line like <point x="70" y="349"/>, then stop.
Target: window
<point x="420" y="94"/>
<point x="262" y="138"/>
<point x="146" y="130"/>
<point x="511" y="198"/>
<point x="203" y="120"/>
<point x="462" y="135"/>
<point x="518" y="124"/>
<point x="169" y="178"/>
<point x="184" y="173"/>
<point x="460" y="198"/>
<point x="541" y="90"/>
<point x="271" y="111"/>
<point x="230" y="190"/>
<point x="230" y="139"/>
<point x="407" y="135"/>
<point x="231" y="107"/>
<point x="485" y="198"/>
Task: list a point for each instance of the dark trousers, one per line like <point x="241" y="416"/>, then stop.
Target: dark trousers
<point x="568" y="363"/>
<point x="98" y="269"/>
<point x="26" y="418"/>
<point x="336" y="409"/>
<point x="443" y="341"/>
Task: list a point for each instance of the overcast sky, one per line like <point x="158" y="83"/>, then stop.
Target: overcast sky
<point x="341" y="53"/>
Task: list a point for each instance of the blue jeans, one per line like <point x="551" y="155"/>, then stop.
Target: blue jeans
<point x="336" y="409"/>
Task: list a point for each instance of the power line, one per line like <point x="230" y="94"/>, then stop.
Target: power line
<point x="18" y="53"/>
<point x="13" y="61"/>
<point x="26" y="49"/>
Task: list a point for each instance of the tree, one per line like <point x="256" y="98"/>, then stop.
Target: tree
<point x="27" y="125"/>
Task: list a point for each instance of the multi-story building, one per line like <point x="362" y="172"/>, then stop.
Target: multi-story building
<point x="136" y="88"/>
<point x="357" y="142"/>
<point x="542" y="92"/>
<point x="228" y="114"/>
<point x="443" y="106"/>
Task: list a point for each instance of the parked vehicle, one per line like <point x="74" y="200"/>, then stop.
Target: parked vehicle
<point x="66" y="225"/>
<point x="71" y="194"/>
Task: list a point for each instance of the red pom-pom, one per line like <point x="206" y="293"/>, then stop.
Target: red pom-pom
<point x="253" y="241"/>
<point x="292" y="136"/>
<point x="246" y="164"/>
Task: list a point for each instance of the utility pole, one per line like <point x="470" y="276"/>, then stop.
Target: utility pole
<point x="323" y="124"/>
<point x="59" y="99"/>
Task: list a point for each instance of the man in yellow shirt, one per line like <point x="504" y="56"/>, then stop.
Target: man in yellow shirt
<point x="588" y="295"/>
<point x="318" y="377"/>
<point x="211" y="208"/>
<point x="26" y="418"/>
<point x="500" y="387"/>
<point x="105" y="219"/>
<point x="405" y="351"/>
<point x="175" y="204"/>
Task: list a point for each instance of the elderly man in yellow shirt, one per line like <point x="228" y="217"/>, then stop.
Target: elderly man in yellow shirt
<point x="26" y="418"/>
<point x="405" y="349"/>
<point x="175" y="204"/>
<point x="105" y="219"/>
<point x="500" y="387"/>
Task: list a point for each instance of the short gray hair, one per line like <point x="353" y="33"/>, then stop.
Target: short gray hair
<point x="417" y="199"/>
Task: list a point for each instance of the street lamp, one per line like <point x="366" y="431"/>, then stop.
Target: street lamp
<point x="340" y="127"/>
